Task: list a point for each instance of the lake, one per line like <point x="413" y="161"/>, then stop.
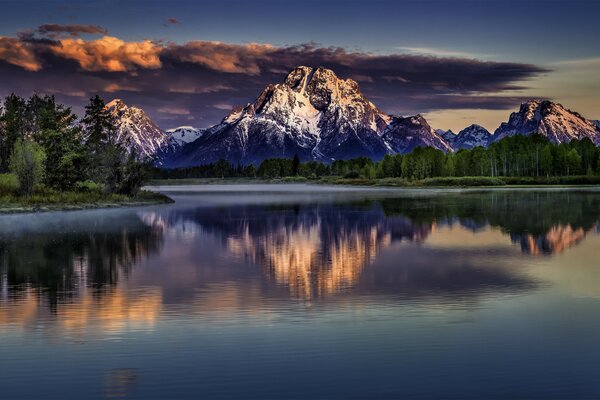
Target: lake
<point x="297" y="291"/>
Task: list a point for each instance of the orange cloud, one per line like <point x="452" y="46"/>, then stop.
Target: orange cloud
<point x="110" y="54"/>
<point x="223" y="57"/>
<point x="16" y="52"/>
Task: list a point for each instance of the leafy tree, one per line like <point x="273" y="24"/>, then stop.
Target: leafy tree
<point x="27" y="163"/>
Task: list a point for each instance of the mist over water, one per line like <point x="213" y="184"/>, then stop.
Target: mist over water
<point x="295" y="291"/>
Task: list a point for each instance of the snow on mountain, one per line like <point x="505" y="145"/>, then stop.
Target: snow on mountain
<point x="597" y="123"/>
<point x="183" y="135"/>
<point x="472" y="136"/>
<point x="136" y="130"/>
<point x="448" y="135"/>
<point x="548" y="119"/>
<point x="312" y="114"/>
<point x="404" y="134"/>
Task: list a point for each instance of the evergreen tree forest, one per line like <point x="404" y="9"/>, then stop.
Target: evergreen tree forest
<point x="519" y="156"/>
<point x="45" y="148"/>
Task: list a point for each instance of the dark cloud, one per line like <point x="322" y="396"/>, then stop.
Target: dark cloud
<point x="56" y="30"/>
<point x="202" y="76"/>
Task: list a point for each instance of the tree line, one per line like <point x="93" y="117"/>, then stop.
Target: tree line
<point x="515" y="156"/>
<point x="44" y="143"/>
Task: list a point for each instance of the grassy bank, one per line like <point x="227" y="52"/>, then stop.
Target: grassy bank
<point x="465" y="181"/>
<point x="86" y="196"/>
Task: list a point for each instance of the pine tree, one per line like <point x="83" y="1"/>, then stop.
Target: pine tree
<point x="98" y="123"/>
<point x="12" y="127"/>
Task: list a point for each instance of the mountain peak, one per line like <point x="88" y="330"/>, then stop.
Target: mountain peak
<point x="549" y="119"/>
<point x="135" y="129"/>
<point x="115" y="103"/>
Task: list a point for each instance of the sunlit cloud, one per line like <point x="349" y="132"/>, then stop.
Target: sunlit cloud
<point x="109" y="54"/>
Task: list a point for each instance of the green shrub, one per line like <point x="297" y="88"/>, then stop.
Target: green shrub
<point x="27" y="163"/>
<point x="88" y="186"/>
<point x="9" y="184"/>
<point x="352" y="175"/>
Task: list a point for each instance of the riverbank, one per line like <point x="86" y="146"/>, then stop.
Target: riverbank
<point x="469" y="181"/>
<point x="66" y="201"/>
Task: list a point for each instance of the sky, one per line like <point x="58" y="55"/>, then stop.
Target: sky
<point x="191" y="62"/>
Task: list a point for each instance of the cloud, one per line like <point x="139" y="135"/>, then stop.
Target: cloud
<point x="198" y="75"/>
<point x="109" y="54"/>
<point x="174" y="111"/>
<point x="17" y="52"/>
<point x="223" y="57"/>
<point x="438" y="52"/>
<point x="223" y="106"/>
<point x="72" y="29"/>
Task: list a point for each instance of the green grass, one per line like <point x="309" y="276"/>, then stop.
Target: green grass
<point x="86" y="195"/>
<point x="461" y="181"/>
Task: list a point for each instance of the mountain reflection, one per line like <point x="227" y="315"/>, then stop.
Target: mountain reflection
<point x="77" y="269"/>
<point x="320" y="249"/>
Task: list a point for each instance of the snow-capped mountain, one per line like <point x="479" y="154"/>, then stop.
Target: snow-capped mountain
<point x="183" y="135"/>
<point x="472" y="136"/>
<point x="548" y="119"/>
<point x="136" y="130"/>
<point x="448" y="135"/>
<point x="404" y="134"/>
<point x="312" y="114"/>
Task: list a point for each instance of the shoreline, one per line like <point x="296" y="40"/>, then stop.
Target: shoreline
<point x="364" y="183"/>
<point x="148" y="198"/>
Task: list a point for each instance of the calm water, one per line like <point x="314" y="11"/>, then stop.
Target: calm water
<point x="299" y="292"/>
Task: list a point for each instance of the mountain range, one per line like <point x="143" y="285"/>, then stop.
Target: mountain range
<point x="318" y="116"/>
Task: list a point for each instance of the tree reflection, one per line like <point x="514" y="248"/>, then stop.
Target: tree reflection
<point x="57" y="262"/>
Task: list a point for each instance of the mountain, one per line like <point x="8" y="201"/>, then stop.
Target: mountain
<point x="448" y="135"/>
<point x="548" y="119"/>
<point x="472" y="136"/>
<point x="312" y="114"/>
<point x="404" y="134"/>
<point x="178" y="137"/>
<point x="136" y="130"/>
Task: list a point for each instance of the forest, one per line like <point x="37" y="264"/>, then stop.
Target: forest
<point x="47" y="154"/>
<point x="533" y="158"/>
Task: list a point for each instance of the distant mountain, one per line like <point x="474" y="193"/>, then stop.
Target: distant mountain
<point x="178" y="137"/>
<point x="312" y="114"/>
<point x="472" y="136"/>
<point x="136" y="130"/>
<point x="318" y="116"/>
<point x="448" y="135"/>
<point x="548" y="119"/>
<point x="404" y="134"/>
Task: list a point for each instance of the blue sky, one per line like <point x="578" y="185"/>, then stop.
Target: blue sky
<point x="557" y="36"/>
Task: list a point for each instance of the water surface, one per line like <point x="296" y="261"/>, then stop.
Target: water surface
<point x="294" y="291"/>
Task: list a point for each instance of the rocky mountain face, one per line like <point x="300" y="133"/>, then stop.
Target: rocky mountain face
<point x="136" y="130"/>
<point x="318" y="116"/>
<point x="313" y="114"/>
<point x="404" y="134"/>
<point x="472" y="136"/>
<point x="548" y="119"/>
<point x="178" y="137"/>
<point x="448" y="135"/>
